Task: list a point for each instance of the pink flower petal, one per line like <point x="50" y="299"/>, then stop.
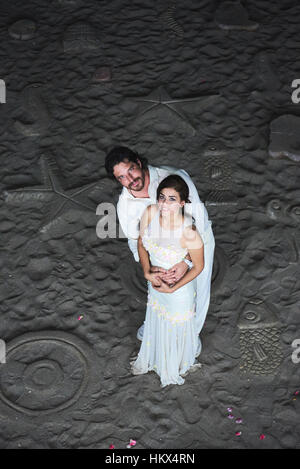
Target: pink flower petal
<point x="132" y="442"/>
<point x="262" y="436"/>
<point x="111" y="447"/>
<point x="238" y="433"/>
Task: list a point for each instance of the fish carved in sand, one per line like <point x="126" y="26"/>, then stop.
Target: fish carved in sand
<point x="34" y="104"/>
<point x="260" y="330"/>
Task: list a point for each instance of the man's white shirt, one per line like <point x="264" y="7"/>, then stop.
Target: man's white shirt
<point x="130" y="209"/>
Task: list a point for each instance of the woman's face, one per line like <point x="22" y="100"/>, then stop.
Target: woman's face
<point x="169" y="201"/>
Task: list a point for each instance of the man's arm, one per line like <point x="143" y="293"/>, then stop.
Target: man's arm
<point x="133" y="246"/>
<point x="122" y="211"/>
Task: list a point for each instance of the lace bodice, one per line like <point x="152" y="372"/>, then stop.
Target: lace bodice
<point x="164" y="245"/>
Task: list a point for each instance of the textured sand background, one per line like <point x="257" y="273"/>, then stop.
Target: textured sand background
<point x="71" y="303"/>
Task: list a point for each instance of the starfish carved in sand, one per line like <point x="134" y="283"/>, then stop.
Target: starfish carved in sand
<point x="160" y="99"/>
<point x="61" y="200"/>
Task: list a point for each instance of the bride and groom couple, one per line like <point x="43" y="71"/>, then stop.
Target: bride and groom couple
<point x="169" y="233"/>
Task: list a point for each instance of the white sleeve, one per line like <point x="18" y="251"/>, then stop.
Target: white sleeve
<point x="122" y="211"/>
<point x="132" y="243"/>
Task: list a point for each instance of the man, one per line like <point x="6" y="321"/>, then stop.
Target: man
<point x="140" y="181"/>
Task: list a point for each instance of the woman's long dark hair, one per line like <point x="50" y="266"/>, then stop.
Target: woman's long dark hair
<point x="173" y="181"/>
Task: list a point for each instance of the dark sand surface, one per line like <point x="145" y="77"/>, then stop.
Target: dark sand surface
<point x="71" y="303"/>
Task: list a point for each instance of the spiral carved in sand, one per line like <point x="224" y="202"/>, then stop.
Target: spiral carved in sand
<point x="168" y="20"/>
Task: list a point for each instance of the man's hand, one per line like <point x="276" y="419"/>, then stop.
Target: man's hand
<point x="154" y="278"/>
<point x="175" y="273"/>
<point x="159" y="272"/>
<point x="156" y="269"/>
<point x="164" y="288"/>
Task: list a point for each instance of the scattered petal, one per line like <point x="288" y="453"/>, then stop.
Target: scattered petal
<point x="229" y="409"/>
<point x="132" y="442"/>
<point x="111" y="447"/>
<point x="238" y="433"/>
<point x="296" y="393"/>
<point x="238" y="420"/>
<point x="262" y="436"/>
<point x="128" y="446"/>
<point x="230" y="416"/>
<point x="80" y="317"/>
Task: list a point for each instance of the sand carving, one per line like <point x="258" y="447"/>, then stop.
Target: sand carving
<point x="220" y="267"/>
<point x="168" y="19"/>
<point x="283" y="211"/>
<point x="233" y="16"/>
<point x="266" y="72"/>
<point x="285" y="137"/>
<point x="45" y="372"/>
<point x="289" y="215"/>
<point x="149" y="108"/>
<point x="22" y="29"/>
<point x="69" y="2"/>
<point x="34" y="104"/>
<point x="61" y="200"/>
<point x="9" y="288"/>
<point x="218" y="171"/>
<point x="293" y="249"/>
<point x="7" y="110"/>
<point x="134" y="283"/>
<point x="80" y="36"/>
<point x="272" y="249"/>
<point x="261" y="351"/>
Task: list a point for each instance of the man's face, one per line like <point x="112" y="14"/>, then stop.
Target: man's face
<point x="130" y="175"/>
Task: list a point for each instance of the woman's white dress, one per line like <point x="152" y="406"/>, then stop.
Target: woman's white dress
<point x="170" y="340"/>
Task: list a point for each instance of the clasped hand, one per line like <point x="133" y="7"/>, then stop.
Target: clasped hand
<point x="163" y="280"/>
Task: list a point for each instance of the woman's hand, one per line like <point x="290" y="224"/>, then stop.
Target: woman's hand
<point x="162" y="274"/>
<point x="154" y="278"/>
<point x="163" y="288"/>
<point x="175" y="273"/>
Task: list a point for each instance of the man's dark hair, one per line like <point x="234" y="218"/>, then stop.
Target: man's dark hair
<point x="118" y="155"/>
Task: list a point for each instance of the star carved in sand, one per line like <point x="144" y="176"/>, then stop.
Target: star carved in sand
<point x="61" y="200"/>
<point x="160" y="99"/>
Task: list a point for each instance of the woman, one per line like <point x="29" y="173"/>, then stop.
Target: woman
<point x="170" y="341"/>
